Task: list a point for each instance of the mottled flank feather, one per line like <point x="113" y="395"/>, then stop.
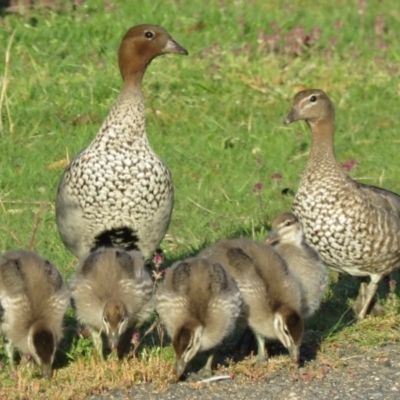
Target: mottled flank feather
<point x="355" y="228"/>
<point x="117" y="192"/>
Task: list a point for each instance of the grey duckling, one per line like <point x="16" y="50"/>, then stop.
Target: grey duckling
<point x="33" y="299"/>
<point x="199" y="304"/>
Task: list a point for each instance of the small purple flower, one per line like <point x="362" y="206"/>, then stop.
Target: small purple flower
<point x="313" y="37"/>
<point x="276" y="176"/>
<point x="380" y="26"/>
<point x="135" y="338"/>
<point x="362" y="5"/>
<point x="158" y="258"/>
<point x="333" y="41"/>
<point x="349" y="165"/>
<point x="275" y="27"/>
<point x="13" y="375"/>
<point x="257" y="188"/>
<point x="338" y="24"/>
<point x="84" y="332"/>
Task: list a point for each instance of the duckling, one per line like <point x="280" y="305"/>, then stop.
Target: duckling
<point x="271" y="294"/>
<point x="354" y="227"/>
<point x="286" y="237"/>
<point x="112" y="292"/>
<point x="117" y="192"/>
<point x="34" y="300"/>
<point x="199" y="304"/>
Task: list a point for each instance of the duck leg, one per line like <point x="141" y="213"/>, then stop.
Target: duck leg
<point x="206" y="372"/>
<point x="261" y="355"/>
<point x="366" y="295"/>
<point x="9" y="347"/>
<point x="361" y="297"/>
<point x="98" y="343"/>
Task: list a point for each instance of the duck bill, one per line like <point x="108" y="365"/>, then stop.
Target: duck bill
<point x="113" y="341"/>
<point x="294" y="352"/>
<point x="272" y="239"/>
<point x="174" y="47"/>
<point x="292" y="116"/>
<point x="180" y="368"/>
<point x="47" y="371"/>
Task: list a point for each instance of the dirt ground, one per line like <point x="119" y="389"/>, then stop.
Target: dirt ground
<point x="355" y="374"/>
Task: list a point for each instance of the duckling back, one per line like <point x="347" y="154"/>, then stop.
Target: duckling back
<point x="197" y="289"/>
<point x="106" y="274"/>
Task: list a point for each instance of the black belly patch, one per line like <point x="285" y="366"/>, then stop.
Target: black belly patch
<point x="123" y="238"/>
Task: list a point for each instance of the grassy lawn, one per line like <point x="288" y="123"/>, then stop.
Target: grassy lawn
<point x="216" y="119"/>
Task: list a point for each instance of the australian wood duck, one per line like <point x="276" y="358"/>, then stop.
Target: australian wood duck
<point x="117" y="192"/>
<point x="354" y="227"/>
<point x="287" y="239"/>
<point x="199" y="304"/>
<point x="34" y="300"/>
<point x="112" y="293"/>
<point x="271" y="294"/>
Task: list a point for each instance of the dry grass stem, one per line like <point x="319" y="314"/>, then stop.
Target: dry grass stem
<point x="4" y="84"/>
<point x="38" y="219"/>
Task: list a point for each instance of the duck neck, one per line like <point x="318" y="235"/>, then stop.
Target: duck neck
<point x="322" y="147"/>
<point x="126" y="122"/>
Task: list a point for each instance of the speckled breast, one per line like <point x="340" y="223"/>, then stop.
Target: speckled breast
<point x="121" y="185"/>
<point x="123" y="188"/>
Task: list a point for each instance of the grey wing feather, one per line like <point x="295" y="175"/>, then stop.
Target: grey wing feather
<point x="53" y="275"/>
<point x="382" y="198"/>
<point x="126" y="262"/>
<point x="239" y="259"/>
<point x="89" y="263"/>
<point x="219" y="280"/>
<point x="180" y="277"/>
<point x="11" y="275"/>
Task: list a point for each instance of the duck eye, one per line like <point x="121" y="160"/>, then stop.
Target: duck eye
<point x="149" y="34"/>
<point x="287" y="333"/>
<point x="313" y="99"/>
<point x="288" y="223"/>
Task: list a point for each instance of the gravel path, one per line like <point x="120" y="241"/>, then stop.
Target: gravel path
<point x="356" y="374"/>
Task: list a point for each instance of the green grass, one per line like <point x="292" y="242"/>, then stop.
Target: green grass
<point x="215" y="117"/>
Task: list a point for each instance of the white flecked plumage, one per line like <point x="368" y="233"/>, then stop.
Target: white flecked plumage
<point x="355" y="228"/>
<point x="271" y="293"/>
<point x="117" y="191"/>
<point x="199" y="304"/>
<point x="112" y="292"/>
<point x="34" y="300"/>
<point x="286" y="237"/>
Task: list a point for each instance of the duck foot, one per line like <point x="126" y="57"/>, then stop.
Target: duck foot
<point x="203" y="373"/>
<point x="199" y="375"/>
